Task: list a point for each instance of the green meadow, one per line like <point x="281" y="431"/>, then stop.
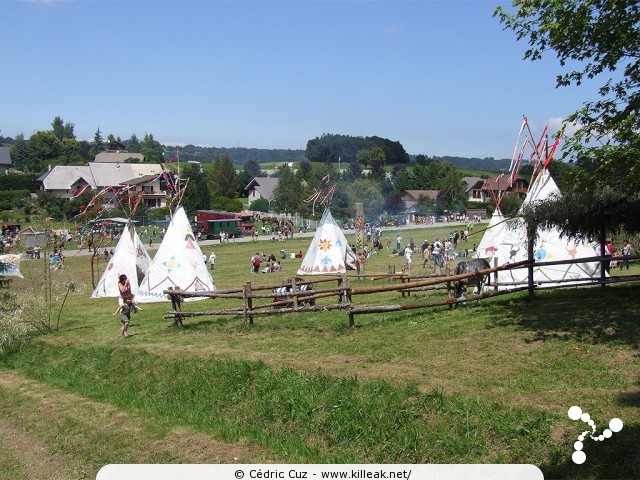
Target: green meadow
<point x="482" y="383"/>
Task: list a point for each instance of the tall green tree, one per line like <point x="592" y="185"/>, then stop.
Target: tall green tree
<point x="133" y="144"/>
<point x="19" y="152"/>
<point x="151" y="149"/>
<point x="43" y="149"/>
<point x="62" y="130"/>
<point x="98" y="143"/>
<point x="453" y="190"/>
<point x="595" y="39"/>
<point x="222" y="178"/>
<point x="288" y="196"/>
<point x="196" y="196"/>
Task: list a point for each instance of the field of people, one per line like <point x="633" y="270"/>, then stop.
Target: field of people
<point x="490" y="382"/>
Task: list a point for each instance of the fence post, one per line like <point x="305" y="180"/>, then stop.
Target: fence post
<point x="347" y="294"/>
<point x="531" y="236"/>
<point x="294" y="290"/>
<point x="245" y="304"/>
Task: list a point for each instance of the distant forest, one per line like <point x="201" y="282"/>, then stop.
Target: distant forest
<point x="240" y="156"/>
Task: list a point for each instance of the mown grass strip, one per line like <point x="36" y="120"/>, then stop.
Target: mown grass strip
<point x="306" y="417"/>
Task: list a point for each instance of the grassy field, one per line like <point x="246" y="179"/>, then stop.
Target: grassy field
<point x="477" y="384"/>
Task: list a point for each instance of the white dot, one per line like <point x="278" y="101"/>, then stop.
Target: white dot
<point x="607" y="433"/>
<point x="578" y="457"/>
<point x="591" y="422"/>
<point x="575" y="412"/>
<point x="615" y="424"/>
<point x="585" y="417"/>
<point x="601" y="437"/>
<point x="578" y="445"/>
<point x="581" y="437"/>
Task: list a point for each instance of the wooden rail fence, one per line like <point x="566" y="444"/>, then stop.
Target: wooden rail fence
<point x="299" y="295"/>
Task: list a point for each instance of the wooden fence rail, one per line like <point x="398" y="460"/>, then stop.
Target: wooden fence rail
<point x="299" y="294"/>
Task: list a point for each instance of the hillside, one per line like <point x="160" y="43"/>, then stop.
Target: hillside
<point x="241" y="155"/>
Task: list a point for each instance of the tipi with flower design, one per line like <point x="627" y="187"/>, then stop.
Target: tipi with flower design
<point x="329" y="252"/>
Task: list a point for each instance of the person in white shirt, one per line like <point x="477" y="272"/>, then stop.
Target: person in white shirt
<point x="212" y="261"/>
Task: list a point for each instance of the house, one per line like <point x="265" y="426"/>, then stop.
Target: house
<point x="5" y="160"/>
<point x="261" y="187"/>
<point x="153" y="196"/>
<point x="475" y="192"/>
<point x="410" y="197"/>
<point x="66" y="181"/>
<point x="494" y="186"/>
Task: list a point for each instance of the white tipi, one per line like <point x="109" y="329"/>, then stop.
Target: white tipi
<point x="177" y="263"/>
<point x="129" y="258"/>
<point x="549" y="246"/>
<point x="493" y="235"/>
<point x="329" y="251"/>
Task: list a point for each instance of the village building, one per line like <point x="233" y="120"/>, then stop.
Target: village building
<point x="261" y="187"/>
<point x="68" y="181"/>
<point x="5" y="159"/>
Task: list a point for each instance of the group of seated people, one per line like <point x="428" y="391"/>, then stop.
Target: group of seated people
<point x="272" y="267"/>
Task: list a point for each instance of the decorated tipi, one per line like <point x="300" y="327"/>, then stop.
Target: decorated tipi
<point x="329" y="251"/>
<point x="549" y="246"/>
<point x="129" y="258"/>
<point x="177" y="263"/>
<point x="493" y="235"/>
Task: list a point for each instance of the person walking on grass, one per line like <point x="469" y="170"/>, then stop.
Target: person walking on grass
<point x="125" y="315"/>
<point x="626" y="253"/>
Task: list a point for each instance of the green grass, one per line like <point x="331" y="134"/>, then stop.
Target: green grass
<point x="487" y="383"/>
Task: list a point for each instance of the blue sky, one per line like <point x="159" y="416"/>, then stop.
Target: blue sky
<point x="441" y="77"/>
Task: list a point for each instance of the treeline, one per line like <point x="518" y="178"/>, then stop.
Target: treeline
<point x="329" y="148"/>
<point x="239" y="156"/>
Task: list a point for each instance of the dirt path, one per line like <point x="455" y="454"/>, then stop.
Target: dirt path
<point x="48" y="433"/>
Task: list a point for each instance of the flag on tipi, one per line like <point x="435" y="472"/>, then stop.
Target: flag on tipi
<point x="178" y="263"/>
<point x="493" y="235"/>
<point x="549" y="246"/>
<point x="129" y="258"/>
<point x="329" y="251"/>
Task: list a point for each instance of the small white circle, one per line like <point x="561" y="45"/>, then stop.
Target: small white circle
<point x="585" y="417"/>
<point x="581" y="438"/>
<point x="591" y="422"/>
<point x="615" y="424"/>
<point x="607" y="433"/>
<point x="578" y="457"/>
<point x="575" y="412"/>
<point x="601" y="437"/>
<point x="578" y="445"/>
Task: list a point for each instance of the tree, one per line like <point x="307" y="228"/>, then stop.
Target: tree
<point x="289" y="194"/>
<point x="43" y="148"/>
<point x="592" y="39"/>
<point x="62" y="130"/>
<point x="133" y="144"/>
<point x="196" y="196"/>
<point x="222" y="178"/>
<point x="453" y="190"/>
<point x="19" y="152"/>
<point x="421" y="159"/>
<point x="98" y="143"/>
<point x="252" y="168"/>
<point x="260" y="205"/>
<point x="151" y="149"/>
